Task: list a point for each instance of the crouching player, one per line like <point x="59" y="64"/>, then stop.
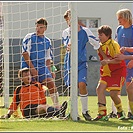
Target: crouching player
<point x="31" y="98"/>
<point x="112" y="74"/>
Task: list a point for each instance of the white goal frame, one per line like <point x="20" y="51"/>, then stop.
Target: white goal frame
<point x="74" y="61"/>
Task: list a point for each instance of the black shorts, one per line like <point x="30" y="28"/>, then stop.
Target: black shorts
<point x="29" y="111"/>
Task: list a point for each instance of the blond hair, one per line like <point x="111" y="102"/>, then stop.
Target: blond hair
<point x="126" y="14"/>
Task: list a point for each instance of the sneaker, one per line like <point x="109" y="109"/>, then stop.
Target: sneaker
<point x="121" y="115"/>
<point x="62" y="109"/>
<point x="101" y="118"/>
<point x="130" y="116"/>
<point x="112" y="115"/>
<point x="87" y="116"/>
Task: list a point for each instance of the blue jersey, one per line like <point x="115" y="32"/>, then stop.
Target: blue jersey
<point x="124" y="36"/>
<point x="38" y="49"/>
<point x="84" y="35"/>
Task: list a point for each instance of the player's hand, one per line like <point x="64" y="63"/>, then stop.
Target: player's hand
<point x="7" y="116"/>
<point x="130" y="64"/>
<point x="68" y="47"/>
<point x="120" y="57"/>
<point x="34" y="72"/>
<point x="104" y="62"/>
<point x="53" y="75"/>
<point x="122" y="49"/>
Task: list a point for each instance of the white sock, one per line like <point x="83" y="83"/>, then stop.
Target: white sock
<point x="54" y="97"/>
<point x="129" y="110"/>
<point x="84" y="102"/>
<point x="113" y="106"/>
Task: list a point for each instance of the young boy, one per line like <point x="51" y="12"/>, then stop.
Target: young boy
<point x="31" y="98"/>
<point x="112" y="74"/>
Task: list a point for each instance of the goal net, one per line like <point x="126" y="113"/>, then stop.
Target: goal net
<point x="18" y="19"/>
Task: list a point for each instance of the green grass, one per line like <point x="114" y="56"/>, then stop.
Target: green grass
<point x="52" y="125"/>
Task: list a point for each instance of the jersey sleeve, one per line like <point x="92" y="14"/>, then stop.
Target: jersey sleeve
<point x="15" y="100"/>
<point x="65" y="37"/>
<point x="92" y="39"/>
<point x="26" y="43"/>
<point x="49" y="52"/>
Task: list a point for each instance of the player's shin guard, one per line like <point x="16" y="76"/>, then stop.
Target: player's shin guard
<point x="102" y="110"/>
<point x="131" y="106"/>
<point x="55" y="97"/>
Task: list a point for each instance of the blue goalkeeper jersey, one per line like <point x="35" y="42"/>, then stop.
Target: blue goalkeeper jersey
<point x="38" y="48"/>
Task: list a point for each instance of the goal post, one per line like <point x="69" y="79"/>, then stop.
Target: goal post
<point x="74" y="61"/>
<point x="19" y="20"/>
<point x="6" y="57"/>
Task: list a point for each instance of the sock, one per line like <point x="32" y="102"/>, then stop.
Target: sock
<point x="54" y="97"/>
<point x="119" y="107"/>
<point x="84" y="102"/>
<point x="113" y="106"/>
<point x="102" y="110"/>
<point x="129" y="110"/>
<point x="131" y="106"/>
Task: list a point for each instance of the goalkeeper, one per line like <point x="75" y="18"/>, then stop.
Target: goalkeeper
<point x="36" y="55"/>
<point x="30" y="96"/>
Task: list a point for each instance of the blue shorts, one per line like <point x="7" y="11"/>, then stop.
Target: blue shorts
<point x="82" y="75"/>
<point x="129" y="76"/>
<point x="43" y="73"/>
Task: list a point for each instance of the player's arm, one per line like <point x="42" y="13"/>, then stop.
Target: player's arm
<point x="124" y="57"/>
<point x="13" y="106"/>
<point x="128" y="49"/>
<point x="26" y="56"/>
<point x="95" y="43"/>
<point x="48" y="58"/>
<point x="26" y="46"/>
<point x="110" y="61"/>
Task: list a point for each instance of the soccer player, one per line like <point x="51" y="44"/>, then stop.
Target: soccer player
<point x="30" y="96"/>
<point x="124" y="36"/>
<point x="84" y="35"/>
<point x="112" y="74"/>
<point x="36" y="55"/>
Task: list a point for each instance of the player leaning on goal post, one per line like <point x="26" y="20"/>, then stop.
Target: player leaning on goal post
<point x="36" y="55"/>
<point x="84" y="35"/>
<point x="31" y="99"/>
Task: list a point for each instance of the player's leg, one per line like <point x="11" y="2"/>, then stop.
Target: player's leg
<point x="45" y="78"/>
<point x="114" y="92"/>
<point x="113" y="114"/>
<point x="102" y="110"/>
<point x="118" y="104"/>
<point x="50" y="111"/>
<point x="130" y="98"/>
<point x="83" y="92"/>
<point x="128" y="81"/>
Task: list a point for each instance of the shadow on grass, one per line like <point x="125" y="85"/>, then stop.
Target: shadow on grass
<point x="111" y="123"/>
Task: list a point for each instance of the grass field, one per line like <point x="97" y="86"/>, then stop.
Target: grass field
<point x="52" y="125"/>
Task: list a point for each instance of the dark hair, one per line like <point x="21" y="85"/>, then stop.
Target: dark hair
<point x="106" y="30"/>
<point x="42" y="21"/>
